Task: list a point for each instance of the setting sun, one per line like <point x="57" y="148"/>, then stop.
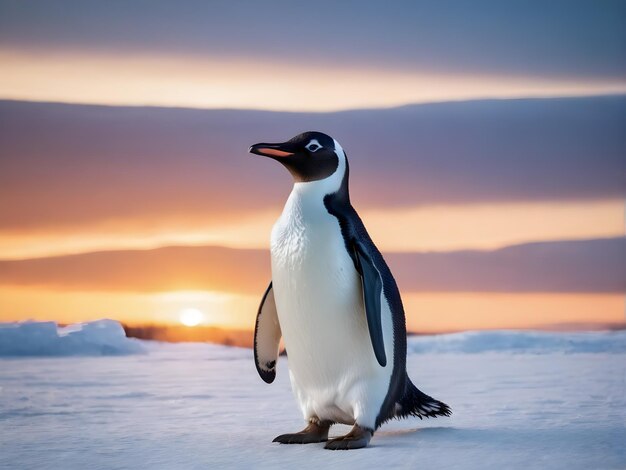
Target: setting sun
<point x="191" y="317"/>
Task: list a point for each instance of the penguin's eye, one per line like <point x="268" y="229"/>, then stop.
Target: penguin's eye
<point x="313" y="147"/>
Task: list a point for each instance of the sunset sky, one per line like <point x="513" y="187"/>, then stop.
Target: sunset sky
<point x="486" y="140"/>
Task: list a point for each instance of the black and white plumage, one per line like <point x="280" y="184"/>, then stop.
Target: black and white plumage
<point x="336" y="304"/>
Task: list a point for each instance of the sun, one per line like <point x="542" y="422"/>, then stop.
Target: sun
<point x="191" y="317"/>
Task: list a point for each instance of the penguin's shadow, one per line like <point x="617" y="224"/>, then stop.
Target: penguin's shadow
<point x="496" y="437"/>
<point x="403" y="437"/>
<point x="413" y="431"/>
<point x="391" y="437"/>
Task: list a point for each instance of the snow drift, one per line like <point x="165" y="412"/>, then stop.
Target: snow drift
<point x="533" y="342"/>
<point x="97" y="338"/>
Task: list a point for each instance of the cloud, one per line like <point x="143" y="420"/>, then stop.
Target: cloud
<point x="562" y="38"/>
<point x="562" y="266"/>
<point x="161" y="269"/>
<point x="588" y="266"/>
<point x="67" y="165"/>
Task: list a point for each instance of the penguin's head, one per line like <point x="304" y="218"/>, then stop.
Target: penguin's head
<point x="309" y="156"/>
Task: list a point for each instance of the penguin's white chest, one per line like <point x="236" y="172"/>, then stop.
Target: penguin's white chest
<point x="319" y="302"/>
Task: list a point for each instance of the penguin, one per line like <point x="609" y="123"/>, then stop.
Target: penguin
<point x="335" y="303"/>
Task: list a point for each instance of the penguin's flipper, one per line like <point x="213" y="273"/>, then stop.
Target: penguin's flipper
<point x="372" y="290"/>
<point x="267" y="337"/>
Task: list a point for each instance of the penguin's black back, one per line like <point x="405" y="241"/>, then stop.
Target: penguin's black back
<point x="352" y="228"/>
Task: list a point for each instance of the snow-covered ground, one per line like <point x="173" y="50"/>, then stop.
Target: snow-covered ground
<point x="96" y="338"/>
<point x="519" y="400"/>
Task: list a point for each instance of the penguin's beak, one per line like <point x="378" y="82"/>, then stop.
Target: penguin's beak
<point x="272" y="150"/>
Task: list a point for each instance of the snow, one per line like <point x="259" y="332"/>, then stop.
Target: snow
<point x="526" y="342"/>
<point x="519" y="400"/>
<point x="102" y="337"/>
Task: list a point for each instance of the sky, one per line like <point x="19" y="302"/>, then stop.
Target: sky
<point x="486" y="143"/>
<point x="284" y="55"/>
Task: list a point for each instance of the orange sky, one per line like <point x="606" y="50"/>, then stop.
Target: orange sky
<point x="430" y="312"/>
<point x="421" y="228"/>
<point x="226" y="286"/>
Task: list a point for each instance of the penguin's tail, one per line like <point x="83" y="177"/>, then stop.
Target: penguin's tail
<point x="417" y="403"/>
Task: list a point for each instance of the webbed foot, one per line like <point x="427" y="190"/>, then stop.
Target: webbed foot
<point x="314" y="432"/>
<point x="357" y="438"/>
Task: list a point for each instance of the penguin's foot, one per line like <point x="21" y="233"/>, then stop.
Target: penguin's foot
<point x="314" y="432"/>
<point x="357" y="438"/>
